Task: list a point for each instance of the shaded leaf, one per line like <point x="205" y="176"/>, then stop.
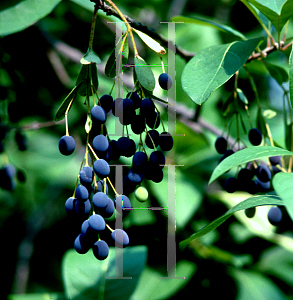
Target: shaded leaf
<point x="250" y="202"/>
<point x="278" y="12"/>
<point x="261" y="123"/>
<point x="291" y="77"/>
<point x="37" y="296"/>
<point x="94" y="76"/>
<point x="288" y="137"/>
<point x="24" y="14"/>
<point x="277" y="72"/>
<point x="201" y="21"/>
<point x="110" y="68"/>
<point x="150" y="95"/>
<point x="83" y="80"/>
<point x="212" y="67"/>
<point x="150" y="42"/>
<point x="84" y="276"/>
<point x="60" y="114"/>
<point x="90" y="57"/>
<point x="282" y="183"/>
<point x="244" y="156"/>
<point x="144" y="74"/>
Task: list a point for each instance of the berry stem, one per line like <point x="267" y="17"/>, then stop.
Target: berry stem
<point x="91" y="40"/>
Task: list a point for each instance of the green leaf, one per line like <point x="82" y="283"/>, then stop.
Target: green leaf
<point x="244" y="156"/>
<point x="277" y="11"/>
<point x="291" y="76"/>
<point x="85" y="277"/>
<point x="150" y="42"/>
<point x="94" y="76"/>
<point x="144" y="74"/>
<point x="200" y="21"/>
<point x="212" y="67"/>
<point x="151" y="285"/>
<point x="83" y="80"/>
<point x="90" y="57"/>
<point x="150" y="95"/>
<point x="261" y="123"/>
<point x="110" y="68"/>
<point x="288" y="137"/>
<point x="60" y="114"/>
<point x="269" y="114"/>
<point x="241" y="96"/>
<point x="282" y="183"/>
<point x="277" y="72"/>
<point x="253" y="285"/>
<point x="24" y="14"/>
<point x="250" y="202"/>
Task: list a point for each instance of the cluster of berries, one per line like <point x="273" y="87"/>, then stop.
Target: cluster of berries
<point x="141" y="114"/>
<point x="253" y="178"/>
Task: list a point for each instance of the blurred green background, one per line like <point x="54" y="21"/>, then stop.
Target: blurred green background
<point x="242" y="259"/>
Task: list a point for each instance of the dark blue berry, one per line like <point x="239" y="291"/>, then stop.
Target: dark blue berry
<point x="81" y="193"/>
<point x="135" y="99"/>
<point x="100" y="143"/>
<point x="101" y="250"/>
<point x="147" y="106"/>
<point x="275" y="215"/>
<point x="166" y="141"/>
<point x="100" y="200"/>
<point x="250" y="212"/>
<point x="106" y="102"/>
<point x="165" y="81"/>
<point x="221" y="145"/>
<point x="66" y="145"/>
<point x="231" y="185"/>
<point x="255" y="136"/>
<point x="138" y="124"/>
<point x="152" y="138"/>
<point x="97" y="223"/>
<point x="153" y="120"/>
<point x="86" y="175"/>
<point x="263" y="173"/>
<point x="101" y="168"/>
<point x="275" y="160"/>
<point x="157" y="159"/>
<point x="98" y="114"/>
<point x="120" y="237"/>
<point x="115" y="105"/>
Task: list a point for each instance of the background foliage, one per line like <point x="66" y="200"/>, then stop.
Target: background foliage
<point x="40" y="52"/>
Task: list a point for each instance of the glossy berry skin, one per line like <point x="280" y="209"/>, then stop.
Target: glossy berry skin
<point x="139" y="161"/>
<point x="255" y="136"/>
<point x="100" y="200"/>
<point x="135" y="177"/>
<point x="157" y="159"/>
<point x="86" y="175"/>
<point x="108" y="211"/>
<point x="275" y="215"/>
<point x="106" y="102"/>
<point x="124" y="145"/>
<point x="69" y="206"/>
<point x="66" y="145"/>
<point x="98" y="114"/>
<point x="115" y="151"/>
<point x="126" y="111"/>
<point x="152" y="138"/>
<point x="82" y="209"/>
<point x="165" y="81"/>
<point x="153" y="120"/>
<point x="221" y="145"/>
<point x="166" y="141"/>
<point x="115" y="105"/>
<point x="101" y="168"/>
<point x="120" y="237"/>
<point x="101" y="250"/>
<point x="81" y="193"/>
<point x="100" y="143"/>
<point x="97" y="223"/>
<point x="80" y="245"/>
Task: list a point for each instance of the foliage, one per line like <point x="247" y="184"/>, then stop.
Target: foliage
<point x="233" y="73"/>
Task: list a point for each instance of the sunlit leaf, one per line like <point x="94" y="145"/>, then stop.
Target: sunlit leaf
<point x="244" y="156"/>
<point x="150" y="42"/>
<point x="282" y="183"/>
<point x="24" y="14"/>
<point x="212" y="67"/>
<point x="250" y="202"/>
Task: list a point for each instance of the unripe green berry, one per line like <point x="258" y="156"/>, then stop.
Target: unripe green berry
<point x="141" y="194"/>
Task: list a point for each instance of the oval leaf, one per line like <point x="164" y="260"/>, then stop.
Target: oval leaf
<point x="250" y="202"/>
<point x="277" y="72"/>
<point x="144" y="74"/>
<point x="282" y="183"/>
<point x="291" y="76"/>
<point x="24" y="14"/>
<point x="278" y="12"/>
<point x="85" y="277"/>
<point x="246" y="155"/>
<point x="151" y="43"/>
<point x="212" y="67"/>
<point x="200" y="21"/>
